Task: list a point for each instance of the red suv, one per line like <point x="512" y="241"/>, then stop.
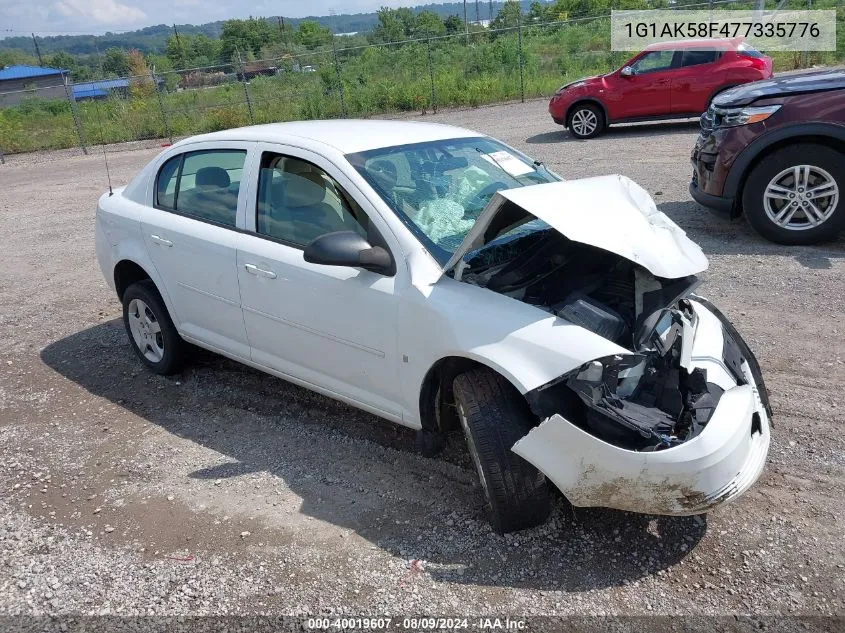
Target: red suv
<point x="666" y="80"/>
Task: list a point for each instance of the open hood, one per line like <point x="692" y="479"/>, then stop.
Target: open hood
<point x="612" y="213"/>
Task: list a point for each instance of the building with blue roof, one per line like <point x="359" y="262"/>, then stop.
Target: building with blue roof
<point x="100" y="89"/>
<point x="18" y="83"/>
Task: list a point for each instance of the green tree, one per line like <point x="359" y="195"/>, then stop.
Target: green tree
<point x="203" y="50"/>
<point x="390" y="27"/>
<point x="245" y="37"/>
<point x="66" y="61"/>
<point x="177" y="52"/>
<point x="428" y="24"/>
<point x="453" y="24"/>
<point x="536" y="12"/>
<point x="312" y="34"/>
<point x="115" y="62"/>
<point x="508" y="15"/>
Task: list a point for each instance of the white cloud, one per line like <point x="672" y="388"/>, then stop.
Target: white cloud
<point x="102" y="12"/>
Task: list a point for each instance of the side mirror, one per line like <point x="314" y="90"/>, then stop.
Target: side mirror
<point x="627" y="71"/>
<point x="347" y="248"/>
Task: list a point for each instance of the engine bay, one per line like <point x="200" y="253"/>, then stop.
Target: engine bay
<point x="649" y="399"/>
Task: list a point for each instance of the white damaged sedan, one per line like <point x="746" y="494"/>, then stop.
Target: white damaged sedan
<point x="440" y="279"/>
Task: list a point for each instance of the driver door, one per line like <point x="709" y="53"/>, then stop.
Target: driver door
<point x="330" y="327"/>
<point x="647" y="92"/>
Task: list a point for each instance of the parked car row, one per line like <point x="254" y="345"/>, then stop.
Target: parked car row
<point x="771" y="149"/>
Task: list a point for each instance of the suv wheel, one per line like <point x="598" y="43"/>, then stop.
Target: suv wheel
<point x="494" y="417"/>
<point x="151" y="331"/>
<point x="586" y="121"/>
<point x="795" y="195"/>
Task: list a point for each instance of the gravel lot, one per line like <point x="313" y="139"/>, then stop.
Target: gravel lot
<point x="223" y="490"/>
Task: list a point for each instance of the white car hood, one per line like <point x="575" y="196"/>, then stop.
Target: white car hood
<point x="612" y="213"/>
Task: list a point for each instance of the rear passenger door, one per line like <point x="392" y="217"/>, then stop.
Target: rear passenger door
<point x="189" y="231"/>
<point x="696" y="80"/>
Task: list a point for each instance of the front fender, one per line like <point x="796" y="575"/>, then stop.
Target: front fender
<point x="528" y="346"/>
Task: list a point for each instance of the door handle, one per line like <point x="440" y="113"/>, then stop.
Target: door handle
<point x="252" y="269"/>
<point x="160" y="240"/>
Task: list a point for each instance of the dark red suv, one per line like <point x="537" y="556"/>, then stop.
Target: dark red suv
<point x="775" y="152"/>
<point x="666" y="80"/>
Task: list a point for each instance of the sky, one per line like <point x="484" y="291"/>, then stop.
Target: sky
<point x="20" y="17"/>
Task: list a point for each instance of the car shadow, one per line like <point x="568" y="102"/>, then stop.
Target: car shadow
<point x="378" y="486"/>
<point x="624" y="130"/>
<point x="719" y="235"/>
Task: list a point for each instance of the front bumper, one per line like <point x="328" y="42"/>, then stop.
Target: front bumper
<point x="558" y="105"/>
<point x="710" y="169"/>
<point x="714" y="467"/>
<point x="718" y="204"/>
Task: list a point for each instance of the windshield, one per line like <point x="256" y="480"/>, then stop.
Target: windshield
<point x="439" y="188"/>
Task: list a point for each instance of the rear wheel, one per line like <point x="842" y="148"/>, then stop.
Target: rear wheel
<point x="494" y="416"/>
<point x="151" y="331"/>
<point x="586" y="121"/>
<point x="795" y="195"/>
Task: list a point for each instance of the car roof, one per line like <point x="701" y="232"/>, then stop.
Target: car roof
<point x="345" y="135"/>
<point x="713" y="43"/>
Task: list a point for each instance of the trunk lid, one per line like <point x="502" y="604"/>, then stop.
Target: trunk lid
<point x="612" y="213"/>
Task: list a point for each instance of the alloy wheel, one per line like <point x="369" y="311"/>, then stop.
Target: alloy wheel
<point x="801" y="197"/>
<point x="584" y="122"/>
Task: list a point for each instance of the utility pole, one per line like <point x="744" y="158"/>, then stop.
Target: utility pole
<point x="491" y="11"/>
<point x="37" y="50"/>
<point x="179" y="44"/>
<point x="284" y="41"/>
<point x="477" y="14"/>
<point x="466" y="22"/>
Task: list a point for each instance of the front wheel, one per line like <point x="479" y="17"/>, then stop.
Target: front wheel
<point x="794" y="195"/>
<point x="586" y="121"/>
<point x="494" y="416"/>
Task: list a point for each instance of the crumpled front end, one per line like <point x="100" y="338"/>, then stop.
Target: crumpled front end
<point x="680" y="425"/>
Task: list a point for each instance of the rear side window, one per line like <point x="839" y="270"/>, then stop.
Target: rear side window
<point x="694" y="57"/>
<point x="749" y="51"/>
<point x="168" y="176"/>
<point x="203" y="185"/>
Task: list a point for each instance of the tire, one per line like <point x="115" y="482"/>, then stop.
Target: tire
<point x="588" y="113"/>
<point x="825" y="165"/>
<point x="494" y="417"/>
<point x="151" y="331"/>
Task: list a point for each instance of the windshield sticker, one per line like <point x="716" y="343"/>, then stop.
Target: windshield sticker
<point x="508" y="162"/>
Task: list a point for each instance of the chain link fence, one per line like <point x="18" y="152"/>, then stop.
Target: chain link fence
<point x="469" y="69"/>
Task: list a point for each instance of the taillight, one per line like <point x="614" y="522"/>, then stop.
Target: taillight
<point x="758" y="63"/>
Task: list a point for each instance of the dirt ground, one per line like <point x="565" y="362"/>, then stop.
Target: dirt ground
<point x="223" y="490"/>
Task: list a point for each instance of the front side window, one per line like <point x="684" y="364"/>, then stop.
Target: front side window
<point x="439" y="188"/>
<point x="298" y="202"/>
<point x="653" y="61"/>
<point x="203" y="185"/>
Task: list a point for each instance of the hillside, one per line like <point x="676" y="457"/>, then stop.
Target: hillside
<point x="153" y="39"/>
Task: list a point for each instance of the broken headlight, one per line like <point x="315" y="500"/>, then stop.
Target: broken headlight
<point x="606" y="385"/>
<point x="645" y="401"/>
